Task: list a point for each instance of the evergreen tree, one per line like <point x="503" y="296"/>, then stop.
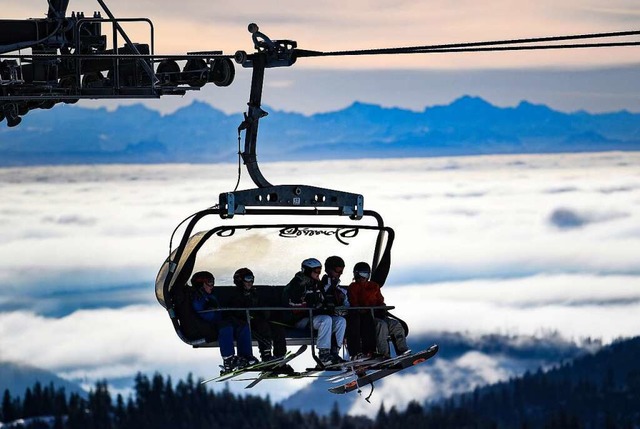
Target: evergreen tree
<point x="77" y="417"/>
<point x="28" y="407"/>
<point x="120" y="413"/>
<point x="381" y="418"/>
<point x="8" y="412"/>
<point x="99" y="407"/>
<point x="38" y="405"/>
<point x="60" y="403"/>
<point x="334" y="416"/>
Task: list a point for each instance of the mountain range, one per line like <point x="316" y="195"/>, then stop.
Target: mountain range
<point x="198" y="133"/>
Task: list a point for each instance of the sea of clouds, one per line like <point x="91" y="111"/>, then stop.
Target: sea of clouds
<point x="513" y="244"/>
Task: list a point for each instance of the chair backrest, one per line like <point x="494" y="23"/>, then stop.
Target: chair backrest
<point x="191" y="328"/>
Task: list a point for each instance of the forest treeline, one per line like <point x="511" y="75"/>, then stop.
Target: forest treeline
<point x="156" y="403"/>
<point x="596" y="391"/>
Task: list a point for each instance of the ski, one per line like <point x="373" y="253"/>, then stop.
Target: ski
<point x="272" y="370"/>
<point x="256" y="367"/>
<point x="356" y="368"/>
<point x="346" y="366"/>
<point x="235" y="372"/>
<point x="385" y="369"/>
<point x="361" y="366"/>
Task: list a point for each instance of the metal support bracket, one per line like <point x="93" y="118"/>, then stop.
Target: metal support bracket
<point x="348" y="204"/>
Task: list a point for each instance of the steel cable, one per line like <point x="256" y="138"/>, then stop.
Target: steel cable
<point x="492" y="45"/>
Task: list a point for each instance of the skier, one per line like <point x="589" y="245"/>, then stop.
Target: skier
<point x="360" y="331"/>
<point x="204" y="300"/>
<point x="303" y="292"/>
<point x="366" y="293"/>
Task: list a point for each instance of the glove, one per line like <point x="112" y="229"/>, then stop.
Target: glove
<point x="311" y="301"/>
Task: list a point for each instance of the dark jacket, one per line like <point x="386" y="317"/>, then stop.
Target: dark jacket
<point x="247" y="299"/>
<point x="334" y="295"/>
<point x="203" y="301"/>
<point x="302" y="292"/>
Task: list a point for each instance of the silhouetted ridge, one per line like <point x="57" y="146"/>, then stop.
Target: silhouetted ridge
<point x="200" y="133"/>
<point x="599" y="390"/>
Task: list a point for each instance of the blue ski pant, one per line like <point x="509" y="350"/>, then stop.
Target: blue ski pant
<point x="240" y="332"/>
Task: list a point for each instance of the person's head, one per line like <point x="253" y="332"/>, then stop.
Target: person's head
<point x="334" y="266"/>
<point x="203" y="279"/>
<point x="243" y="278"/>
<point x="361" y="271"/>
<point x="312" y="268"/>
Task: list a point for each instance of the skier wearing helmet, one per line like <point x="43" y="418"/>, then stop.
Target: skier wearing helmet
<point x="360" y="332"/>
<point x="262" y="328"/>
<point x="366" y="293"/>
<point x="304" y="291"/>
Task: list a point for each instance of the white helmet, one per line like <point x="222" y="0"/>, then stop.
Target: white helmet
<point x="310" y="264"/>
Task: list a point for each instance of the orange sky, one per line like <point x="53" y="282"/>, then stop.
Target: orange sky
<point x="336" y="25"/>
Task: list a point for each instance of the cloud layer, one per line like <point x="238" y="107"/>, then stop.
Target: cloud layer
<point x="479" y="249"/>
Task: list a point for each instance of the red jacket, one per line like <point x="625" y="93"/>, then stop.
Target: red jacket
<point x="365" y="294"/>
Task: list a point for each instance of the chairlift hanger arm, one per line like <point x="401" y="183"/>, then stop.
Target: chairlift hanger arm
<point x="269" y="53"/>
<point x="275" y="53"/>
<point x="252" y="119"/>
